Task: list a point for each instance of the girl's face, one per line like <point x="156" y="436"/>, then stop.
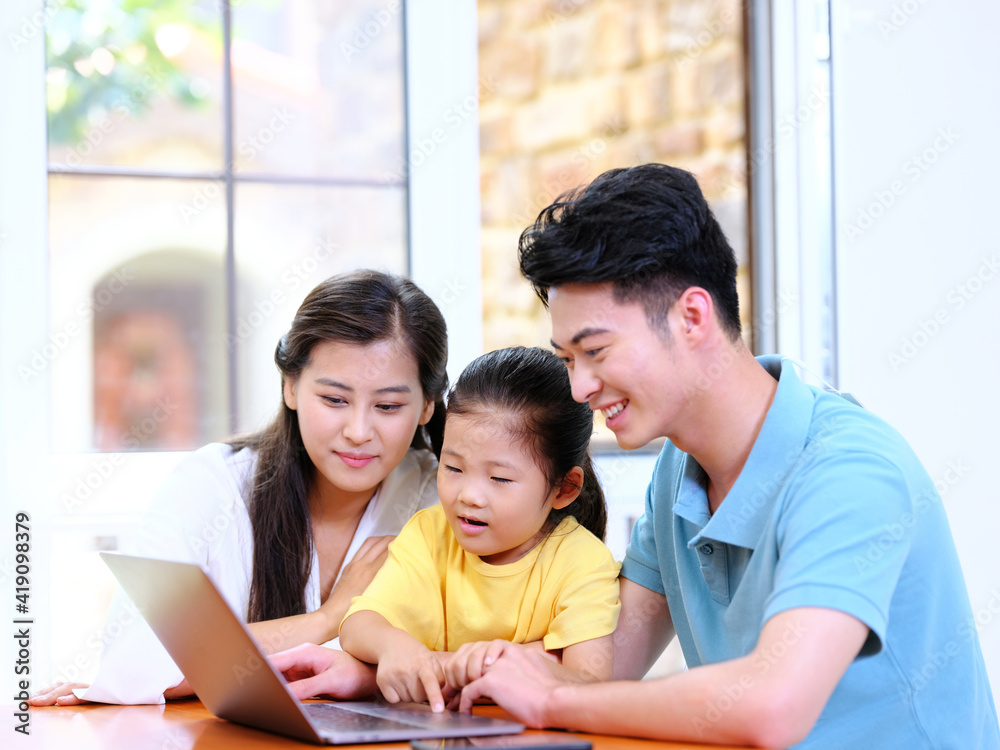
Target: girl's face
<point x="358" y="408"/>
<point x="496" y="498"/>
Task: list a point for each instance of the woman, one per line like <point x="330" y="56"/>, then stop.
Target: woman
<point x="275" y="516"/>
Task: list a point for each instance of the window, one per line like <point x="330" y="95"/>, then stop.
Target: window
<point x="287" y="219"/>
<point x="208" y="166"/>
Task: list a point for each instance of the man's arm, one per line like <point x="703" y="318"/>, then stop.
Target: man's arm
<point x="769" y="698"/>
<point x="644" y="630"/>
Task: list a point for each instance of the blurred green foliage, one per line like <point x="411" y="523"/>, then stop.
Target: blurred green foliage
<point x="111" y="58"/>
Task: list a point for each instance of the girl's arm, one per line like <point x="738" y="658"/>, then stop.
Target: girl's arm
<point x="406" y="669"/>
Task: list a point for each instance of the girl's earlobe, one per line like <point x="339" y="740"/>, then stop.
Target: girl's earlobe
<point x="569" y="489"/>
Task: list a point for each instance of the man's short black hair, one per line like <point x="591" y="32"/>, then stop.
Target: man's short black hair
<point x="647" y="229"/>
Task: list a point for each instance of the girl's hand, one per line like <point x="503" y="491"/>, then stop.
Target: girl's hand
<point x="412" y="672"/>
<point x="60" y="694"/>
<point x="471" y="660"/>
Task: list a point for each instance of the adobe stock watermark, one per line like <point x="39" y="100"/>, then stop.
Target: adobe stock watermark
<point x="579" y="161"/>
<point x="251" y="663"/>
<point x="41" y="357"/>
<point x="450" y="291"/>
<point x="562" y="10"/>
<point x="7" y="569"/>
<point x="101" y="469"/>
<point x="371" y="29"/>
<point x="955" y="299"/>
<point x="898" y="17"/>
<point x="966" y="632"/>
<point x="786" y="300"/>
<point x="249" y="147"/>
<point x="767" y="489"/>
<point x="785" y="126"/>
<point x="453" y="117"/>
<point x="225" y="518"/>
<point x="75" y="670"/>
<point x="913" y="171"/>
<point x="292" y="278"/>
<point x="33" y="25"/>
<point x="893" y="533"/>
<point x="120" y="109"/>
<point x="710" y="31"/>
<point x="761" y="663"/>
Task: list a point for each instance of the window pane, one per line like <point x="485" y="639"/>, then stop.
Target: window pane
<point x="288" y="239"/>
<point x="136" y="84"/>
<point x="137" y="314"/>
<point x="318" y="89"/>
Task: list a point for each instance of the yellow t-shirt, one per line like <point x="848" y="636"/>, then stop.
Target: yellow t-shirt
<point x="562" y="592"/>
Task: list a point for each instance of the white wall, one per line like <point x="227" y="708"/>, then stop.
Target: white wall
<point x="916" y="122"/>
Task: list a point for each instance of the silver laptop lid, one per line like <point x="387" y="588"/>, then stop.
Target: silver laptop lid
<point x="214" y="650"/>
<point x="230" y="674"/>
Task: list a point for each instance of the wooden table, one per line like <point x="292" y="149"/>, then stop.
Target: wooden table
<point x="180" y="725"/>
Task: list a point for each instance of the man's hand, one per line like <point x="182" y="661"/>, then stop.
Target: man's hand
<point x="521" y="680"/>
<point x="317" y="670"/>
<point x="470" y="661"/>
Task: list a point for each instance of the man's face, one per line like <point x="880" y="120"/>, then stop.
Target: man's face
<point x="617" y="363"/>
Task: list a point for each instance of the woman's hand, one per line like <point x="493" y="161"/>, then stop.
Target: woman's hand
<point x="354" y="579"/>
<point x="59" y="694"/>
<point x="181" y="690"/>
<point x="317" y="670"/>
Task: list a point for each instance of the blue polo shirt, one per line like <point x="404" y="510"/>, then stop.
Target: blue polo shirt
<point x="832" y="509"/>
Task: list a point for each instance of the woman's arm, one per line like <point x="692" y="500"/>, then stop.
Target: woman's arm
<point x="406" y="669"/>
<point x="323" y="624"/>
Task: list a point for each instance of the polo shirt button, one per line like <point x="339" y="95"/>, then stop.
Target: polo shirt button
<point x="706" y="549"/>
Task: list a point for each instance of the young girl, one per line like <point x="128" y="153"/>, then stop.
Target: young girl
<point x="513" y="552"/>
<point x="290" y="522"/>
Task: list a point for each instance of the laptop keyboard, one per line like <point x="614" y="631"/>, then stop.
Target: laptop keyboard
<point x="331" y="718"/>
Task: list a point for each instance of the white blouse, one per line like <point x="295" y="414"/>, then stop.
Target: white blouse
<point x="199" y="515"/>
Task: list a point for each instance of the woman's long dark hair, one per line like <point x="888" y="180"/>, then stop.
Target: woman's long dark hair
<point x="362" y="307"/>
<point x="532" y="385"/>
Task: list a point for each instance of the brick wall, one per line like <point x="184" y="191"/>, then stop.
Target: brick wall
<point x="571" y="88"/>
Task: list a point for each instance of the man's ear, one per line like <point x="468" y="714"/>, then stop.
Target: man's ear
<point x="695" y="308"/>
<point x="288" y="391"/>
<point x="569" y="489"/>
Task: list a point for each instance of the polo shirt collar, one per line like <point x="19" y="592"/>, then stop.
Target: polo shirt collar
<point x="743" y="514"/>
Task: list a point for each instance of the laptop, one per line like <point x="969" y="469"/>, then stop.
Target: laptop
<point x="235" y="681"/>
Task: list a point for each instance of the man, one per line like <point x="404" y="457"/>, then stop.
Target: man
<point x="791" y="540"/>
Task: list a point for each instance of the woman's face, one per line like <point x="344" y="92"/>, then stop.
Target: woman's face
<point x="358" y="408"/>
